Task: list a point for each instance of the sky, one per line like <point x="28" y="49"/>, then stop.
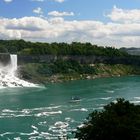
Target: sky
<point x="103" y="22"/>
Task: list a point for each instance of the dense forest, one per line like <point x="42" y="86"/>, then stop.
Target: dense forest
<point x="56" y="62"/>
<point x="75" y="48"/>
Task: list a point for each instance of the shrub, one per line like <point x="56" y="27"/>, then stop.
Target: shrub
<point x="118" y="121"/>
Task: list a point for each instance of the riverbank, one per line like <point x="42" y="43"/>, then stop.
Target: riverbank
<point x="43" y="74"/>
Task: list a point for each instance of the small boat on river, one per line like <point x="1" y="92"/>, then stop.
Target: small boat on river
<point x="75" y="99"/>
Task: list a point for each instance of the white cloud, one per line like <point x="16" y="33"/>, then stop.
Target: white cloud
<point x="60" y="1"/>
<point x="122" y="15"/>
<point x="38" y="10"/>
<point x="60" y="14"/>
<point x="38" y="0"/>
<point x="7" y="1"/>
<point x="56" y="20"/>
<point x="58" y="29"/>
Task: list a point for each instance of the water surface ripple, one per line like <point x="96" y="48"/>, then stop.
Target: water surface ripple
<point x="47" y="113"/>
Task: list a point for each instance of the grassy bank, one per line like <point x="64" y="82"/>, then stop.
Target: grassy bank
<point x="69" y="70"/>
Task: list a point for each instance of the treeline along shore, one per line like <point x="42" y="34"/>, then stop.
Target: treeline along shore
<point x="57" y="62"/>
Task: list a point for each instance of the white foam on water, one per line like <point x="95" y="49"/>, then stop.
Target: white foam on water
<point x="59" y="129"/>
<point x="106" y="98"/>
<point x="8" y="111"/>
<point x="81" y="109"/>
<point x="21" y="115"/>
<point x="137" y="98"/>
<point x="6" y="133"/>
<point x="135" y="102"/>
<point x="37" y="112"/>
<point x="13" y="115"/>
<point x="110" y="91"/>
<point x="8" y="76"/>
<point x="34" y="127"/>
<point x="48" y="113"/>
<point x="42" y="108"/>
<point x="26" y="111"/>
<point x="45" y="134"/>
<point x="40" y="137"/>
<point x="17" y="138"/>
<point x="92" y="99"/>
<point x="103" y="98"/>
<point x="29" y="134"/>
<point x="98" y="108"/>
<point x="60" y="124"/>
<point x="81" y="126"/>
<point x="114" y="101"/>
<point x="69" y="120"/>
<point x="101" y="105"/>
<point x="43" y="123"/>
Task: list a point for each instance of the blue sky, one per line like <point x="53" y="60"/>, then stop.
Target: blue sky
<point x="83" y="9"/>
<point x="100" y="22"/>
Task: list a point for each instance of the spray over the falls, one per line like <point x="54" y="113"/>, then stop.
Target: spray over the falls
<point x="8" y="76"/>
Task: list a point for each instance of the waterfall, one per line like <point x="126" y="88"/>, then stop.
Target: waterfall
<point x="8" y="77"/>
<point x="13" y="59"/>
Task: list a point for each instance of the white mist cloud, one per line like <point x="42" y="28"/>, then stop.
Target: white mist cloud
<point x="8" y="1"/>
<point x="60" y="14"/>
<point x="38" y="10"/>
<point x="38" y="0"/>
<point x="60" y="1"/>
<point x="116" y="33"/>
<point x="123" y="15"/>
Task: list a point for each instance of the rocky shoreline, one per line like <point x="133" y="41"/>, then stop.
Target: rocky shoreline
<point x="29" y="72"/>
<point x="61" y="79"/>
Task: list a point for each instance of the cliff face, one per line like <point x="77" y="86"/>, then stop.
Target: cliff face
<point x="22" y="59"/>
<point x="51" y="68"/>
<point x="4" y="58"/>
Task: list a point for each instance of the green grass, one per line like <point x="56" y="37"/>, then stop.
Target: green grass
<point x="65" y="71"/>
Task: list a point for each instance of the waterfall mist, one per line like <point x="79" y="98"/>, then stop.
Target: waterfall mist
<point x="8" y="76"/>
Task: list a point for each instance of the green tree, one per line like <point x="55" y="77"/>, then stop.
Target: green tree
<point x="118" y="121"/>
<point x="3" y="49"/>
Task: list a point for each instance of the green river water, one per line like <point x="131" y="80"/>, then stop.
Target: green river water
<point x="47" y="113"/>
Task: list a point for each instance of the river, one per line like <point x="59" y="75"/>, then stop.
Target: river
<point x="47" y="113"/>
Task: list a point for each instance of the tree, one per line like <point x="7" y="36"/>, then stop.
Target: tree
<point x="3" y="49"/>
<point x="118" y="121"/>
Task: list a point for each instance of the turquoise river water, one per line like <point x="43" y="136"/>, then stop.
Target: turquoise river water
<point x="47" y="113"/>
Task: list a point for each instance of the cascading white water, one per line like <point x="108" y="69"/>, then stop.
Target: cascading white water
<point x="8" y="76"/>
<point x="13" y="63"/>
